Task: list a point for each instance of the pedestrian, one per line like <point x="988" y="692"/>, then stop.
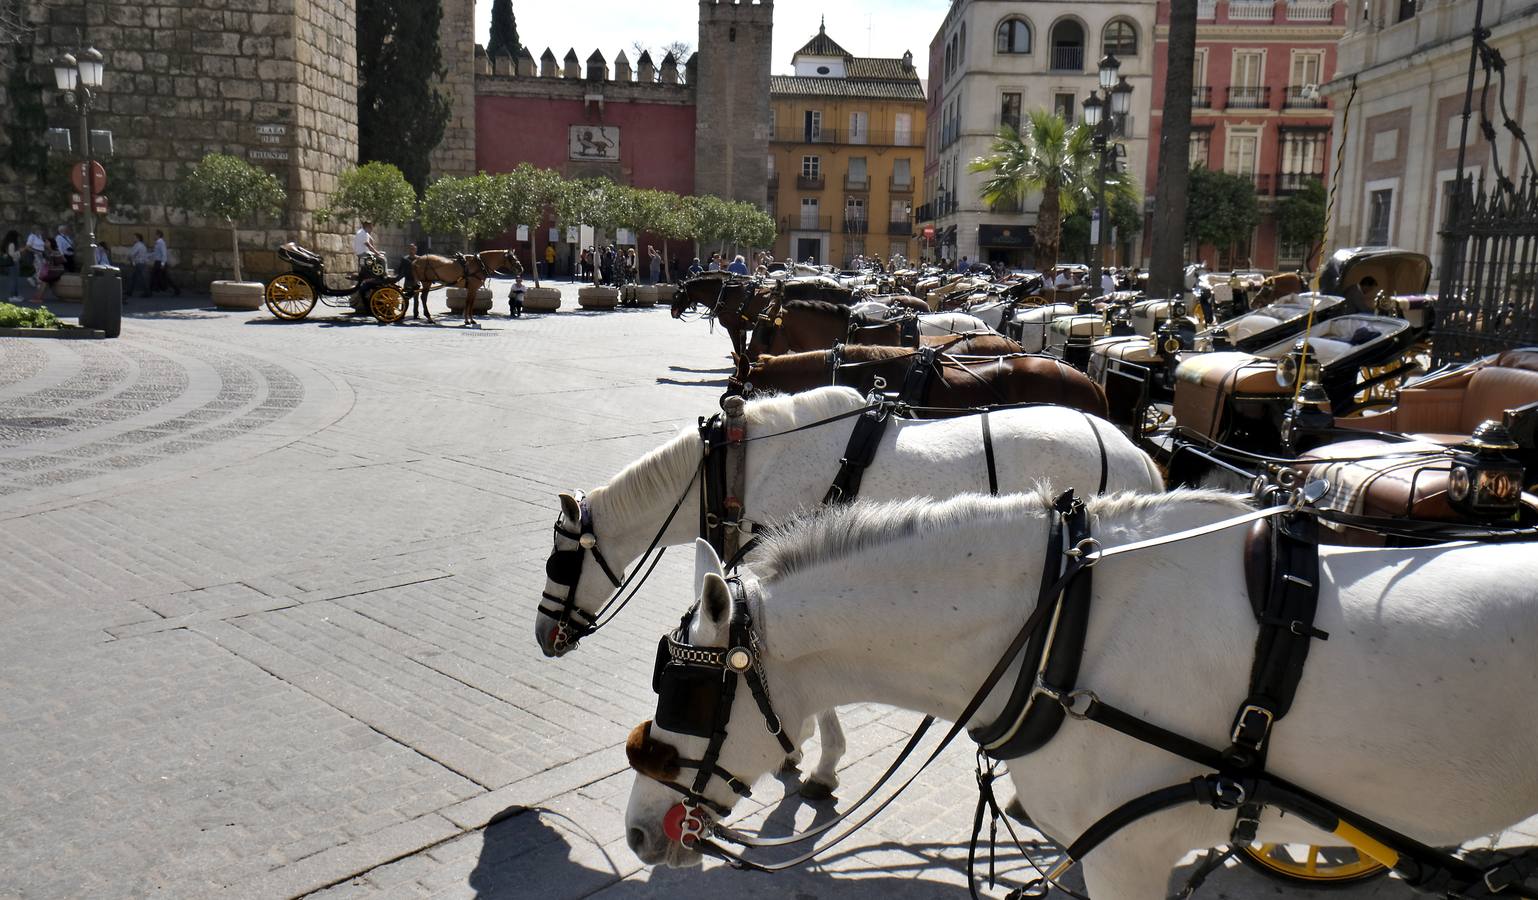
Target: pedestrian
<point x="409" y="282"/>
<point x="715" y="263"/>
<point x="515" y="298"/>
<point x="656" y="265"/>
<point x="694" y="268"/>
<point x="50" y="268"/>
<point x="64" y="242"/>
<point x="138" y="268"/>
<point x="160" y="275"/>
<point x="10" y="264"/>
<point x="549" y="261"/>
<point x="103" y="254"/>
<point x="609" y="264"/>
<point x="632" y="266"/>
<point x="738" y="266"/>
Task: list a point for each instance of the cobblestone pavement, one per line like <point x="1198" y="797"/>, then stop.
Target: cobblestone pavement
<point x="267" y="592"/>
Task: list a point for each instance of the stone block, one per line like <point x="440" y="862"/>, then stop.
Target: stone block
<point x="598" y="297"/>
<point x="237" y="294"/>
<point x="456" y="299"/>
<point x="542" y="299"/>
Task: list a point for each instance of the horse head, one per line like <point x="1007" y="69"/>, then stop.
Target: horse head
<point x="666" y="751"/>
<point x="704" y="290"/>
<point x="500" y="262"/>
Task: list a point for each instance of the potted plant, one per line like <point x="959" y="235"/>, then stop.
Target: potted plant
<point x="373" y="192"/>
<point x="229" y="188"/>
<point x="469" y="206"/>
<point x="528" y="194"/>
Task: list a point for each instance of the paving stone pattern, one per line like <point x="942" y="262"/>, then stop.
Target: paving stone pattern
<point x="268" y="591"/>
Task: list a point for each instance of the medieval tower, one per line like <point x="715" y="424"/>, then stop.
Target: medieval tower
<point x="731" y="95"/>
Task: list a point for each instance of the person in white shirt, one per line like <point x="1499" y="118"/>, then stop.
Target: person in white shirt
<point x="160" y="277"/>
<point x="138" y="268"/>
<point x="1107" y="282"/>
<point x="1062" y="280"/>
<point x="64" y="240"/>
<point x="363" y="245"/>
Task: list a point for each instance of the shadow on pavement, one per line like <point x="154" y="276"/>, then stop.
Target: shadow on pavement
<point x="539" y="852"/>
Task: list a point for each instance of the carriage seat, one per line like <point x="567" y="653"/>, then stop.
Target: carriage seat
<point x="1147" y="315"/>
<point x="1081" y="325"/>
<point x="1398" y="485"/>
<point x="299" y="256"/>
<point x="1130" y="348"/>
<point x="1447" y="410"/>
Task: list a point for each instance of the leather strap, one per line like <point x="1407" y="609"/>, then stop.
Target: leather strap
<point x="993" y="474"/>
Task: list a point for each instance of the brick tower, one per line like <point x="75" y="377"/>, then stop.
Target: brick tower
<point x="731" y="95"/>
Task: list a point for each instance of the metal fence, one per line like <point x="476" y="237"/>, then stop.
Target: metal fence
<point x="1488" y="298"/>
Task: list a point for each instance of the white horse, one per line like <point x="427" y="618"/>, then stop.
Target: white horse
<point x="933" y="324"/>
<point x="1418" y="712"/>
<point x="791" y="473"/>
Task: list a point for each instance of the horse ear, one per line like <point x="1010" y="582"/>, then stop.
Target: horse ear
<point x="570" y="508"/>
<point x="706" y="562"/>
<point x="715" y="606"/>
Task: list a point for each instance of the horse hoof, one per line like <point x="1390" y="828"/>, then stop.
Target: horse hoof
<point x="812" y="789"/>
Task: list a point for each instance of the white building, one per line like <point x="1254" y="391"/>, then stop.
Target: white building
<point x="993" y="61"/>
<point x="1402" y="71"/>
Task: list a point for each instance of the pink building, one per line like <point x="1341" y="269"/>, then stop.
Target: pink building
<point x="1256" y="107"/>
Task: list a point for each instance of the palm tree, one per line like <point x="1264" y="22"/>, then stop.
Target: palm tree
<point x="1047" y="156"/>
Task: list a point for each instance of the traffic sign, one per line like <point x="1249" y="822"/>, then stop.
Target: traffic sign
<point x="77" y="176"/>
<point x="99" y="204"/>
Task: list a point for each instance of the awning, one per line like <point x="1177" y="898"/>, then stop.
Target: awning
<point x="1021" y="236"/>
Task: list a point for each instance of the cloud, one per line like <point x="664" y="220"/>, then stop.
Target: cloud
<point x="863" y="27"/>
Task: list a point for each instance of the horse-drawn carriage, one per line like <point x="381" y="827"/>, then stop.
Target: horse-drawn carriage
<point x="294" y="294"/>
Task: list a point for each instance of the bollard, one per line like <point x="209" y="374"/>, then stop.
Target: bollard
<point x="103" y="300"/>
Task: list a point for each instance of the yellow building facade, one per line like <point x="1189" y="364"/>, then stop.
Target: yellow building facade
<point x="846" y="155"/>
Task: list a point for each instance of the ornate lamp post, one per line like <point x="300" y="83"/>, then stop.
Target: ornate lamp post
<point x="78" y="79"/>
<point x="1104" y="111"/>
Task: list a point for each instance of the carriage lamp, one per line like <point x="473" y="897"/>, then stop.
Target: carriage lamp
<point x="1178" y="309"/>
<point x="1121" y="322"/>
<point x="1486" y="480"/>
<point x="1310" y="413"/>
<point x="1220" y="339"/>
<point x="1299" y="363"/>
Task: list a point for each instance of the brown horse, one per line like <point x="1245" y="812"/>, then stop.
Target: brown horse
<point x="955" y="383"/>
<point x="802" y="325"/>
<point x="468" y="272"/>
<point x="1276" y="287"/>
<point x="736" y="302"/>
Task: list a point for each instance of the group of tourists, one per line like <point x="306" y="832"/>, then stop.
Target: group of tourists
<point x="614" y="267"/>
<point x="31" y="266"/>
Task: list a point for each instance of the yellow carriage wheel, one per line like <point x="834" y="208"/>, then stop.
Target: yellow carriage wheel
<point x="290" y="297"/>
<point x="388" y="304"/>
<point x="1307" y="865"/>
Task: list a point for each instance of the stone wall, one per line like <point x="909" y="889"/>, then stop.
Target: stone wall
<point x="731" y="142"/>
<point x="455" y="154"/>
<point x="271" y="81"/>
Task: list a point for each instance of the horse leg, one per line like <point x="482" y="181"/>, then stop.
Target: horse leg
<point x="427" y="287"/>
<point x="1135" y="864"/>
<point x="824" y="778"/>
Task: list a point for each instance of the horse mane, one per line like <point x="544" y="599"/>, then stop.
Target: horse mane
<point x="820" y="307"/>
<point x="766" y="415"/>
<point x="830" y="534"/>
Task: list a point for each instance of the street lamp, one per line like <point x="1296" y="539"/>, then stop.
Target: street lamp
<point x="1104" y="110"/>
<point x="77" y="79"/>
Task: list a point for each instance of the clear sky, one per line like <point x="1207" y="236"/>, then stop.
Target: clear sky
<point x="863" y="27"/>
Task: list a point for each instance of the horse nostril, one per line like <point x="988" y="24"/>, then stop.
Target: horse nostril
<point x="636" y="838"/>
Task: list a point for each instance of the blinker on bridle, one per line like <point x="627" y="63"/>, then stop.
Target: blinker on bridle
<point x="564" y="568"/>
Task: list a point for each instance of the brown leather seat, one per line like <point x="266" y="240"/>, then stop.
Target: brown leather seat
<point x="1448" y="409"/>
<point x="1384" y="478"/>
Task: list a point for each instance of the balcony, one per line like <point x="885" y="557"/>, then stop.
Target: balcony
<point x="1250" y="10"/>
<point x="856" y="225"/>
<point x="1295" y="98"/>
<point x="1310" y="11"/>
<point x="900" y="229"/>
<point x="889" y="139"/>
<point x="1248" y="97"/>
<point x="803" y="135"/>
<point x="774" y="181"/>
<point x="809" y="182"/>
<point x="1291" y="182"/>
<point x="1201" y="96"/>
<point x="1067" y="59"/>
<point x="1261" y="180"/>
<point x="1206" y="9"/>
<point x="905" y="186"/>
<point x="856" y="184"/>
<point x="806" y="223"/>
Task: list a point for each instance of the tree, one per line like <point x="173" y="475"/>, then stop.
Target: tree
<point x="589" y="201"/>
<point x="504" y="30"/>
<point x="1166" y="276"/>
<point x="527" y="193"/>
<point x="470" y="206"/>
<point x="1122" y="208"/>
<point x="1300" y="219"/>
<point x="1048" y="156"/>
<point x="401" y="114"/>
<point x="373" y="192"/>
<point x="1220" y="208"/>
<point x="26" y="153"/>
<point x="229" y="188"/>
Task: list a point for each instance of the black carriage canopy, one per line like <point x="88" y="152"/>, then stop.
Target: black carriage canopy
<point x="1392" y="269"/>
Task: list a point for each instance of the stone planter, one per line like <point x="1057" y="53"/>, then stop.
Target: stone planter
<point x="238" y="294"/>
<point x="666" y="292"/>
<point x="70" y="287"/>
<point x="646" y="295"/>
<point x="542" y="299"/>
<point x="456" y="299"/>
<point x="598" y="297"/>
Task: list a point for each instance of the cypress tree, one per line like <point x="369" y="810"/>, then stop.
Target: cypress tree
<point x="27" y="152"/>
<point x="504" y="30"/>
<point x="401" y="113"/>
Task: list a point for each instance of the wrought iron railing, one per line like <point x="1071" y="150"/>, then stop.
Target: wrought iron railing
<point x="1201" y="96"/>
<point x="899" y="186"/>
<point x="1248" y="97"/>
<point x="806" y="223"/>
<point x="856" y="184"/>
<point x="809" y="182"/>
<point x="1300" y="96"/>
<point x="856" y="225"/>
<point x="1289" y="182"/>
<point x="1067" y="59"/>
<point x="1488" y="298"/>
<point x="900" y="229"/>
<point x="800" y="134"/>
